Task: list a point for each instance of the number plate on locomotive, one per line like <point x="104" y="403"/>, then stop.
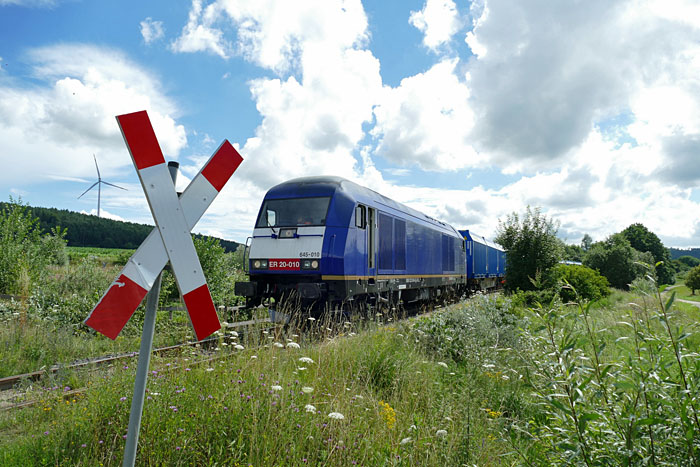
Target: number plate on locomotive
<point x="284" y="264"/>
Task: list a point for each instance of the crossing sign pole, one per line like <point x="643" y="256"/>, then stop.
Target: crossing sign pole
<point x="170" y="242"/>
<point x="149" y="327"/>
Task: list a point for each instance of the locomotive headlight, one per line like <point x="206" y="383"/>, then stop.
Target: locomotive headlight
<point x="309" y="264"/>
<point x="260" y="264"/>
<point x="256" y="264"/>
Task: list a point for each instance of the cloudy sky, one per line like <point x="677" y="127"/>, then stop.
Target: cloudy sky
<point x="467" y="111"/>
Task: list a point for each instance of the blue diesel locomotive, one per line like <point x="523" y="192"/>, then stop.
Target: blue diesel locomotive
<point x="332" y="244"/>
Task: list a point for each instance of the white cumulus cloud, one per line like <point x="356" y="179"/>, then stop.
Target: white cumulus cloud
<point x="52" y="129"/>
<point x="151" y="30"/>
<point x="438" y="20"/>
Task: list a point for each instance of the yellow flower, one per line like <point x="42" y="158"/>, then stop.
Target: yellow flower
<point x="493" y="413"/>
<point x="388" y="413"/>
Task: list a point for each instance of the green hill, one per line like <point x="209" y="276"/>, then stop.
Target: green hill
<point x="678" y="252"/>
<point x="92" y="231"/>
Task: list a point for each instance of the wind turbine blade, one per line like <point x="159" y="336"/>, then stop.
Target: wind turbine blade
<point x="91" y="187"/>
<point x="97" y="167"/>
<point x="115" y="186"/>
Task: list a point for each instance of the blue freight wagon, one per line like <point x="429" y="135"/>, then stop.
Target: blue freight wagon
<point x="486" y="261"/>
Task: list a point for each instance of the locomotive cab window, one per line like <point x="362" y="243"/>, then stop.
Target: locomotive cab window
<point x="296" y="212"/>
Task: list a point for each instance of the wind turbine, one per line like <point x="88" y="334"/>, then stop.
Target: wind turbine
<point x="99" y="183"/>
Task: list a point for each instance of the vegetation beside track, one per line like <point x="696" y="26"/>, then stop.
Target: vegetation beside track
<point x="485" y="382"/>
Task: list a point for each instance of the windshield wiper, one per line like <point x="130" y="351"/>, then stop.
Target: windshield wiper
<point x="271" y="228"/>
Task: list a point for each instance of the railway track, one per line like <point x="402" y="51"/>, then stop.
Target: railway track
<point x="10" y="382"/>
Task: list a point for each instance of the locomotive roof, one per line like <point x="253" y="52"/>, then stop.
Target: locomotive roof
<point x="325" y="184"/>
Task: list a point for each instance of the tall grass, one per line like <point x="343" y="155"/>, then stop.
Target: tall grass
<point x="374" y="397"/>
<point x="481" y="383"/>
<point x="612" y="389"/>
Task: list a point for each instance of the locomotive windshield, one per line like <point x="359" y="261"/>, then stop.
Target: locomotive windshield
<point x="293" y="212"/>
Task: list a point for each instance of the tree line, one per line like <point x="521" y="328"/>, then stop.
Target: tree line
<point x="91" y="231"/>
<point x="535" y="256"/>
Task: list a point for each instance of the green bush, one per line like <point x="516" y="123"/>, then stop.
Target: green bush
<point x="469" y="331"/>
<point x="530" y="298"/>
<point x="219" y="269"/>
<point x="585" y="282"/>
<point x="25" y="252"/>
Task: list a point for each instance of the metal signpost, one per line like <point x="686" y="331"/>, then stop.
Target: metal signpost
<point x="171" y="242"/>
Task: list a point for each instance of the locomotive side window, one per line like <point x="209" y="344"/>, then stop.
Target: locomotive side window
<point x="360" y="220"/>
<point x="294" y="212"/>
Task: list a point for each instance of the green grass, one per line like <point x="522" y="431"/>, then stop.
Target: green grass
<point x="265" y="406"/>
<point x="684" y="293"/>
<point x="109" y="255"/>
<point x="481" y="383"/>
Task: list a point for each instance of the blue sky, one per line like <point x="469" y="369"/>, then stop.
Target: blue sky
<point x="467" y="111"/>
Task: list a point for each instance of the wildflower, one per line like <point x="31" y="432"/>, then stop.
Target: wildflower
<point x="307" y="390"/>
<point x="311" y="318"/>
<point x="412" y="428"/>
<point x="306" y="360"/>
<point x="233" y="334"/>
<point x="122" y="398"/>
<point x="388" y="413"/>
<point x="493" y="413"/>
<point x="336" y="416"/>
<point x="301" y="368"/>
<point x="406" y="440"/>
<point x="441" y="433"/>
<point x="276" y="387"/>
<point x="351" y="334"/>
<point x="253" y="357"/>
<point x="238" y="347"/>
<point x="443" y="364"/>
<point x="210" y="369"/>
<point x="278" y="345"/>
<point x="293" y="345"/>
<point x="310" y="408"/>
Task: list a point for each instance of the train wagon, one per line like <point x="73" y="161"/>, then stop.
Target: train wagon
<point x="486" y="262"/>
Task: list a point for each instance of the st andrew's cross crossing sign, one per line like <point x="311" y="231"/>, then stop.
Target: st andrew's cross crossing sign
<point x="170" y="240"/>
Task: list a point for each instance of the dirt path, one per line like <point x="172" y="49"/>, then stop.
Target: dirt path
<point x="690" y="302"/>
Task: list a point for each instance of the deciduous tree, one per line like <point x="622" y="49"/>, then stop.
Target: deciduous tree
<point x="532" y="248"/>
<point x="692" y="280"/>
<point x="642" y="239"/>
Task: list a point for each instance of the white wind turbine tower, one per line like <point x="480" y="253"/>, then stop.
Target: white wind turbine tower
<point x="99" y="183"/>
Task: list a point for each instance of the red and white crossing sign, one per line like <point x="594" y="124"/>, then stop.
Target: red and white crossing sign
<point x="170" y="240"/>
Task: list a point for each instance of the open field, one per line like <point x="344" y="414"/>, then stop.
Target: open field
<point x="483" y="382"/>
<point x="109" y="255"/>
